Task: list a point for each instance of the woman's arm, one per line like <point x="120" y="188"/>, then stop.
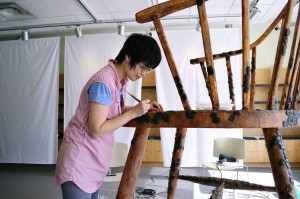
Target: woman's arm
<point x="99" y="125"/>
<point x="154" y="106"/>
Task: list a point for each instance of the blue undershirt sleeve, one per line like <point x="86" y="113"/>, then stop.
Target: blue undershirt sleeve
<point x="99" y="92"/>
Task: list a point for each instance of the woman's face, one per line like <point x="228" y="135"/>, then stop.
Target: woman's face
<point x="138" y="71"/>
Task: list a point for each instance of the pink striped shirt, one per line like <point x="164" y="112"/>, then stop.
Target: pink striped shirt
<point x="81" y="158"/>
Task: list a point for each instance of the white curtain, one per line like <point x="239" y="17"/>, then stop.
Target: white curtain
<point x="29" y="101"/>
<point x="84" y="57"/>
<point x="186" y="45"/>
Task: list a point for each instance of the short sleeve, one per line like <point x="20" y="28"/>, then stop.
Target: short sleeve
<point x="99" y="92"/>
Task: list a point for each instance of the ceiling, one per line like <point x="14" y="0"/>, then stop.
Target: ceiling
<point x="63" y="15"/>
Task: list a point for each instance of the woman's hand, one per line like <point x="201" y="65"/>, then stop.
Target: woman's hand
<point x="141" y="108"/>
<point x="154" y="106"/>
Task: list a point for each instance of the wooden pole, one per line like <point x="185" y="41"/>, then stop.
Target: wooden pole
<point x="208" y="54"/>
<point x="246" y="53"/>
<point x="292" y="87"/>
<point x="290" y="64"/>
<point x="253" y="74"/>
<point x="281" y="167"/>
<point x="133" y="164"/>
<point x="176" y="161"/>
<point x="205" y="75"/>
<point x="253" y="45"/>
<point x="172" y="66"/>
<point x="181" y="132"/>
<point x="277" y="155"/>
<point x="217" y="193"/>
<point x="163" y="9"/>
<point x="230" y="82"/>
<point x="228" y="183"/>
<point x="296" y="92"/>
<point x="219" y="119"/>
<point x="280" y="53"/>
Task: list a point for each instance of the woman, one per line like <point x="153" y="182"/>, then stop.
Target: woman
<point x="85" y="153"/>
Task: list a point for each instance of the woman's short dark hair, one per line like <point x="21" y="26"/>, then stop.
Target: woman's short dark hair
<point x="140" y="48"/>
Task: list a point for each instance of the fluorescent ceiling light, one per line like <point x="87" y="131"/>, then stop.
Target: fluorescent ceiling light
<point x="12" y="11"/>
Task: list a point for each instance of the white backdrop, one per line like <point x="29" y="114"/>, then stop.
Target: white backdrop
<point x="84" y="57"/>
<point x="186" y="45"/>
<point x="29" y="101"/>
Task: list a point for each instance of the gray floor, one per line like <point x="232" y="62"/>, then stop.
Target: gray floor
<point x="25" y="181"/>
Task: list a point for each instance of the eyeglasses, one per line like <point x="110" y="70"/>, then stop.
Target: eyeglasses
<point x="144" y="69"/>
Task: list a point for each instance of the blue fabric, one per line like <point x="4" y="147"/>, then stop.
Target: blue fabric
<point x="298" y="191"/>
<point x="99" y="92"/>
<point x="71" y="191"/>
<point x="121" y="99"/>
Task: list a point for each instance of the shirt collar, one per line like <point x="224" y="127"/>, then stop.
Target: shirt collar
<point x="119" y="83"/>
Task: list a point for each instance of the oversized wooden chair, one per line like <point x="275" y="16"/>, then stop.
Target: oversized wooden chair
<point x="270" y="119"/>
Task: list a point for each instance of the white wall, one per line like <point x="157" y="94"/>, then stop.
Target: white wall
<point x="266" y="52"/>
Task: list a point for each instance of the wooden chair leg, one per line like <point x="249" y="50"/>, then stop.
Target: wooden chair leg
<point x="176" y="161"/>
<point x="133" y="164"/>
<point x="281" y="168"/>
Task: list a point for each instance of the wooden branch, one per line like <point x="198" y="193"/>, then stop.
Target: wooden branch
<point x="253" y="74"/>
<point x="171" y="63"/>
<point x="228" y="183"/>
<point x="270" y="28"/>
<point x="208" y="55"/>
<point x="204" y="71"/>
<point x="217" y="193"/>
<point x="280" y="53"/>
<point x="163" y="9"/>
<point x="133" y="164"/>
<point x="296" y="91"/>
<point x="230" y="82"/>
<point x="219" y="119"/>
<point x="253" y="45"/>
<point x="246" y="53"/>
<point x="176" y="161"/>
<point x="281" y="168"/>
<point x="292" y="87"/>
<point x="217" y="56"/>
<point x="290" y="64"/>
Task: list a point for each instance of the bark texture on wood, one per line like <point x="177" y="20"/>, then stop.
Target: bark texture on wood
<point x="230" y="82"/>
<point x="222" y="119"/>
<point x="253" y="74"/>
<point x="294" y="81"/>
<point x="205" y="75"/>
<point x="176" y="161"/>
<point x="246" y="54"/>
<point x="133" y="164"/>
<point x="228" y="183"/>
<point x="276" y="151"/>
<point x="253" y="45"/>
<point x="280" y="53"/>
<point x="281" y="168"/>
<point x="163" y="9"/>
<point x="219" y="119"/>
<point x="180" y="135"/>
<point x="290" y="64"/>
<point x="172" y="66"/>
<point x="208" y="54"/>
<point x="217" y="193"/>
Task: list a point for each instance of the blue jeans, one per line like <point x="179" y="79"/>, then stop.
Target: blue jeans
<point x="71" y="191"/>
